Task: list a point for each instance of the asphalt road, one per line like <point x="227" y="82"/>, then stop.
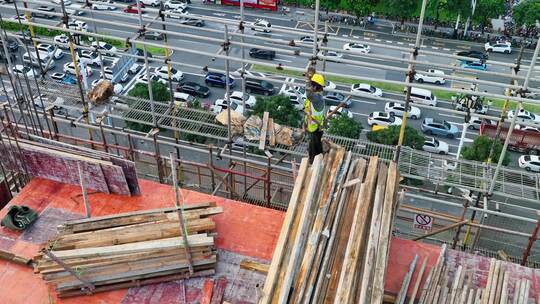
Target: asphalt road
<point x="361" y="107"/>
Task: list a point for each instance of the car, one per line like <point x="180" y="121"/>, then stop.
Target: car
<point x="103" y="5"/>
<point x="69" y="68"/>
<point x="383" y="119"/>
<point x="334" y="99"/>
<point x="527" y="128"/>
<point x="117" y="88"/>
<point x="397" y="109"/>
<point x="143" y="79"/>
<point x="479" y="108"/>
<point x="23" y="71"/>
<point x="236" y="96"/>
<point x="163" y="72"/>
<point x="58" y="76"/>
<point x="90" y="58"/>
<point x="74" y="12"/>
<point x="438" y="78"/>
<point x="41" y="62"/>
<point x="259" y="87"/>
<point x="357" y="48"/>
<point x="524" y="115"/>
<point x="190" y="21"/>
<point x="59" y="2"/>
<point x="431" y="126"/>
<point x="367" y="89"/>
<point x="175" y="4"/>
<point x="247" y="73"/>
<point x="341" y="111"/>
<point x="476" y="122"/>
<point x="221" y="105"/>
<point x="134" y="69"/>
<point x="78" y="25"/>
<point x="475" y="65"/>
<point x="194" y="89"/>
<point x="474" y="54"/>
<point x="182" y="99"/>
<point x="295" y="97"/>
<point x="109" y="74"/>
<point x="44" y="12"/>
<point x="262" y="54"/>
<point x="153" y="3"/>
<point x="261" y="25"/>
<point x="178" y="13"/>
<point x="104" y="46"/>
<point x="329" y="85"/>
<point x="218" y="80"/>
<point x="307" y="39"/>
<point x="21" y="17"/>
<point x="154" y="36"/>
<point x="64" y="78"/>
<point x="529" y="162"/>
<point x="62" y="39"/>
<point x="435" y="146"/>
<point x="12" y="45"/>
<point x="132" y="9"/>
<point x="50" y="50"/>
<point x="331" y="55"/>
<point x="498" y="47"/>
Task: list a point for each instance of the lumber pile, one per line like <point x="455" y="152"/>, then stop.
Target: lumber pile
<point x="100" y="172"/>
<point x="334" y="242"/>
<point x="129" y="249"/>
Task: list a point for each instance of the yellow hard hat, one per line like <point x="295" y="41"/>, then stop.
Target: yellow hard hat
<point x="318" y="79"/>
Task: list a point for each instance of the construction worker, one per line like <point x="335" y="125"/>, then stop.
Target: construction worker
<point x="314" y="116"/>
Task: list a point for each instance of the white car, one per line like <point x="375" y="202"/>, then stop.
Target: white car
<point x="261" y="25"/>
<point x="383" y="119"/>
<point x="69" y="67"/>
<point x="59" y="2"/>
<point x="328" y="85"/>
<point x="109" y="74"/>
<point x="63" y="39"/>
<point x="134" y="69"/>
<point x="524" y="115"/>
<point x="221" y="105"/>
<point x="162" y="72"/>
<point x="78" y="25"/>
<point x="527" y="128"/>
<point x="117" y="88"/>
<point x="435" y="146"/>
<point x="178" y="13"/>
<point x="22" y="70"/>
<point x="397" y="109"/>
<point x="49" y="50"/>
<point x="331" y="55"/>
<point x="367" y="89"/>
<point x="341" y="111"/>
<point x="143" y="79"/>
<point x="438" y="78"/>
<point x="175" y="4"/>
<point x="236" y="96"/>
<point x="498" y="47"/>
<point x="530" y="162"/>
<point x="103" y="5"/>
<point x="21" y="17"/>
<point x="153" y="3"/>
<point x="90" y="58"/>
<point x="476" y="122"/>
<point x="357" y="48"/>
<point x="104" y="46"/>
<point x="479" y="109"/>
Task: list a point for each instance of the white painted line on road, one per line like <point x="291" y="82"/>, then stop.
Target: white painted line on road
<point x="356" y="37"/>
<point x="219" y="14"/>
<point x="359" y="114"/>
<point x="379" y="40"/>
<point x="363" y="101"/>
<point x="401" y="43"/>
<point x="283" y="60"/>
<point x="195" y="74"/>
<point x="367" y="38"/>
<point x="389" y="41"/>
<point x="449" y="115"/>
<point x="288" y="56"/>
<point x="446" y="49"/>
<point x="344" y="35"/>
<point x="435" y="47"/>
<point x="131" y="83"/>
<point x="411" y="44"/>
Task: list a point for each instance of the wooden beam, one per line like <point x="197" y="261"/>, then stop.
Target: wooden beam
<point x="418" y="281"/>
<point x="219" y="290"/>
<point x="206" y="291"/>
<point x="255" y="266"/>
<point x="264" y="129"/>
<point x="272" y="135"/>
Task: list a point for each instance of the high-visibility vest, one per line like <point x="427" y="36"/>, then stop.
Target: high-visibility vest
<point x="317" y="117"/>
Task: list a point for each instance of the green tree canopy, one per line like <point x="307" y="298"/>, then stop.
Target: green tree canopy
<point x="480" y="148"/>
<point x="487" y="9"/>
<point x="280" y="109"/>
<point x="527" y="12"/>
<point x="400" y="8"/>
<point x="160" y="94"/>
<point x="390" y="136"/>
<point x="342" y="125"/>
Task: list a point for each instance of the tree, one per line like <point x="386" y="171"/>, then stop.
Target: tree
<point x="480" y="148"/>
<point x="361" y="7"/>
<point x="400" y="8"/>
<point x="527" y="13"/>
<point x="487" y="9"/>
<point x="342" y="125"/>
<point x="280" y="109"/>
<point x="390" y="136"/>
<point x="195" y="104"/>
<point x="160" y="94"/>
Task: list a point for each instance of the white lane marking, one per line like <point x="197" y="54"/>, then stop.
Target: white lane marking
<point x="344" y="35"/>
<point x="219" y="14"/>
<point x="195" y="74"/>
<point x="435" y="47"/>
<point x="449" y="115"/>
<point x="389" y="41"/>
<point x="411" y="44"/>
<point x="446" y="49"/>
<point x="363" y="101"/>
<point x="379" y="40"/>
<point x="283" y="60"/>
<point x="359" y="114"/>
<point x="356" y="37"/>
<point x="288" y="56"/>
<point x="367" y="38"/>
<point x="401" y="43"/>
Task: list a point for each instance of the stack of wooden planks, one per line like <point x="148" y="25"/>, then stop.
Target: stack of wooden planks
<point x="101" y="172"/>
<point x="459" y="288"/>
<point x="129" y="249"/>
<point x="334" y="242"/>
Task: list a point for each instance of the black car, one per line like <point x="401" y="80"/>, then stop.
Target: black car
<point x="12" y="45"/>
<point x="154" y="36"/>
<point x="259" y="87"/>
<point x="262" y="54"/>
<point x="194" y="89"/>
<point x="474" y="54"/>
<point x="44" y="12"/>
<point x="140" y="52"/>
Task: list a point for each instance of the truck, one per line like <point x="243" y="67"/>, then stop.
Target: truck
<point x="523" y="141"/>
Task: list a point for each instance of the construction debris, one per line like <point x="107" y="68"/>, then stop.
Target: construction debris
<point x="334" y="242"/>
<point x="237" y="121"/>
<point x="101" y="92"/>
<point x="10" y="257"/>
<point x="130" y="249"/>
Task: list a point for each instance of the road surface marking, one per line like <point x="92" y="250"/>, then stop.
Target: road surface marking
<point x="449" y="115"/>
<point x="356" y="37"/>
<point x="283" y="60"/>
<point x="379" y="40"/>
<point x="389" y="41"/>
<point x="367" y="38"/>
<point x="363" y="101"/>
<point x="288" y="56"/>
<point x="132" y="82"/>
<point x="219" y="14"/>
<point x="344" y="35"/>
<point x="411" y="44"/>
<point x="401" y="43"/>
<point x="358" y="113"/>
<point x="446" y="49"/>
<point x="435" y="47"/>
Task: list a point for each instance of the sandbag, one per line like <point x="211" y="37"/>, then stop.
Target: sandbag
<point x="101" y="92"/>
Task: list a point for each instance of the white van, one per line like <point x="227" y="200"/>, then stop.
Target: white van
<point x="423" y="96"/>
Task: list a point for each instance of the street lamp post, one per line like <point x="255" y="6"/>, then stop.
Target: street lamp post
<point x="470" y="103"/>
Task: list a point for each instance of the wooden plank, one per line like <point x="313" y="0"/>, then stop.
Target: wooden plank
<point x="345" y="292"/>
<point x="255" y="266"/>
<point x="405" y="285"/>
<point x="455" y="284"/>
<point x="504" y="289"/>
<point x="526" y="291"/>
<point x="470" y="299"/>
<point x="130" y="173"/>
<point x="427" y="284"/>
<point x="494" y="281"/>
<point x="219" y="290"/>
<point x="517" y="287"/>
<point x="13" y="258"/>
<point x="418" y="281"/>
<point x="284" y="235"/>
<point x="500" y="280"/>
<point x="272" y="135"/>
<point x="264" y="129"/>
<point x="206" y="291"/>
<point x="489" y="282"/>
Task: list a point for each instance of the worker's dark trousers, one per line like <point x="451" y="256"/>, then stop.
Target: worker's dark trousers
<point x="315" y="144"/>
